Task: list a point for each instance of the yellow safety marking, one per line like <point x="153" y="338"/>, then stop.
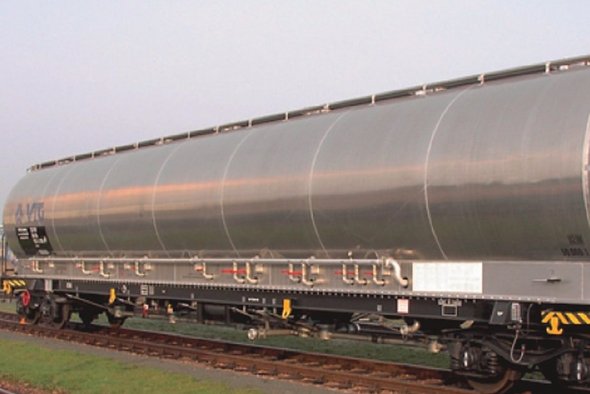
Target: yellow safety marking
<point x="6" y="288"/>
<point x="553" y="328"/>
<point x="112" y="296"/>
<point x="547" y="317"/>
<point x="561" y="318"/>
<point x="286" y="308"/>
<point x="556" y="319"/>
<point x="572" y="318"/>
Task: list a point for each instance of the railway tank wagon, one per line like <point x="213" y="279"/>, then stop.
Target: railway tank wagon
<point x="453" y="213"/>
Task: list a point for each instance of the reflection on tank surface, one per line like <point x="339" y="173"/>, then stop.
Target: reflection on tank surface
<point x="492" y="171"/>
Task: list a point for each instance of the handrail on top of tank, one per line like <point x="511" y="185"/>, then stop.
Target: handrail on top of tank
<point x="534" y="69"/>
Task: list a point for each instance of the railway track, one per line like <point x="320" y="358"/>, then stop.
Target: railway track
<point x="337" y="372"/>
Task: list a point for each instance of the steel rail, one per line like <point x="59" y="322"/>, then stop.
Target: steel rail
<point x="339" y="372"/>
<point x="333" y="371"/>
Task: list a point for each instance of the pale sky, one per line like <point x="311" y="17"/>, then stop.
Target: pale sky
<point x="78" y="76"/>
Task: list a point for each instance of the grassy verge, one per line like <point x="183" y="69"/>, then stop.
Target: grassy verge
<point x="393" y="353"/>
<point x="75" y="372"/>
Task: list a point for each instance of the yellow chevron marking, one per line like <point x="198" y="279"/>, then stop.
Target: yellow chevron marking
<point x="9" y="285"/>
<point x="561" y="318"/>
<point x="573" y="318"/>
<point x="547" y="317"/>
<point x="555" y="319"/>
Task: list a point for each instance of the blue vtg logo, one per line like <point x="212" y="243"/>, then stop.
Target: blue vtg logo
<point x="30" y="214"/>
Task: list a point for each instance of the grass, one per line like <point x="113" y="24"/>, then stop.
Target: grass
<point x="76" y="372"/>
<point x="394" y="353"/>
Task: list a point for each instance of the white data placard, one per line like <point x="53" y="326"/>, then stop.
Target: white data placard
<point x="447" y="277"/>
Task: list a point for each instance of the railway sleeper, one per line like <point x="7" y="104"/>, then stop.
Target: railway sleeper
<point x="491" y="354"/>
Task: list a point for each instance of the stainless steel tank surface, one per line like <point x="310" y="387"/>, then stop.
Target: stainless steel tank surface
<point x="496" y="171"/>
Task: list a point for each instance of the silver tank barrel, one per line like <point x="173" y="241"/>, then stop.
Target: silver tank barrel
<point x="495" y="171"/>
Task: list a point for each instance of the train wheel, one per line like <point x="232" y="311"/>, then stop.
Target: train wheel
<point x="24" y="310"/>
<point x="115" y="322"/>
<point x="32" y="316"/>
<point x="87" y="316"/>
<point x="499" y="384"/>
<point x="567" y="369"/>
<point x="66" y="313"/>
<point x="549" y="371"/>
<point x="54" y="314"/>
